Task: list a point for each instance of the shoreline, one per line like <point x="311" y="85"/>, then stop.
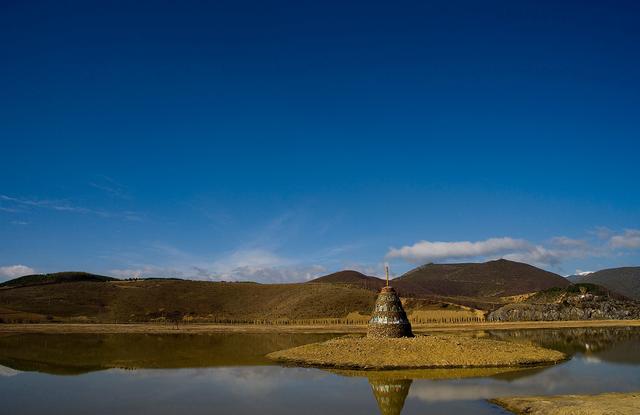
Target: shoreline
<point x="151" y="328"/>
<point x="604" y="403"/>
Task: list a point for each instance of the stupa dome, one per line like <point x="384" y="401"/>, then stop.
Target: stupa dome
<point x="388" y="318"/>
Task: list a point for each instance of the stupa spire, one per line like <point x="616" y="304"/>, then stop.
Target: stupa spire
<point x="386" y="270"/>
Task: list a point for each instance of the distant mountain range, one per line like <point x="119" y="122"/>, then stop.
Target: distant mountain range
<point x="499" y="278"/>
<point x="625" y="281"/>
<point x="80" y="296"/>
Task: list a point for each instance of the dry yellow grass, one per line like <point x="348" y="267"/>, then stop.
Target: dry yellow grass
<point x="9" y="315"/>
<point x="606" y="403"/>
<point x="444" y="315"/>
<point x="421" y="352"/>
<point x="517" y="298"/>
<point x="152" y="300"/>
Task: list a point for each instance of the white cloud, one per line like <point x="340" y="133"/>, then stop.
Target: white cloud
<point x="425" y="251"/>
<point x="564" y="241"/>
<point x="15" y="271"/>
<point x="263" y="266"/>
<point x="283" y="274"/>
<point x="602" y="232"/>
<point x="553" y="253"/>
<point x="249" y="258"/>
<point x="604" y="242"/>
<point x="630" y="239"/>
<point x="257" y="265"/>
<point x="539" y="255"/>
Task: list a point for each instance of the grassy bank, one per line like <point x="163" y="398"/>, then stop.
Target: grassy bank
<point x="606" y="403"/>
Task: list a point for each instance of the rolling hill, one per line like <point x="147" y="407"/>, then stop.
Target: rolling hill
<point x="55" y="278"/>
<point x="625" y="280"/>
<point x="352" y="278"/>
<point x="148" y="300"/>
<point x="491" y="279"/>
<point x="498" y="278"/>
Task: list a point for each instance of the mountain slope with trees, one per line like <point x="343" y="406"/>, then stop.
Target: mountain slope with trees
<point x="625" y="280"/>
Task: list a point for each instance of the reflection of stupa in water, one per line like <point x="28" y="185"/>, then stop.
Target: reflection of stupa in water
<point x="388" y="318"/>
<point x="390" y="394"/>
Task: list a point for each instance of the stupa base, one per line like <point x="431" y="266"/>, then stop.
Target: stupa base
<point x="389" y="331"/>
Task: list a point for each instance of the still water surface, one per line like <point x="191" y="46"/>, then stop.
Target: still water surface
<point x="228" y="374"/>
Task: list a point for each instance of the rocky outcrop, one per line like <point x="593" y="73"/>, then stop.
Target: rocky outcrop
<point x="582" y="306"/>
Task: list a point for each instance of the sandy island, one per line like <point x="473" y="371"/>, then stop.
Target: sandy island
<point x="606" y="403"/>
<point x="256" y="328"/>
<point x="420" y="352"/>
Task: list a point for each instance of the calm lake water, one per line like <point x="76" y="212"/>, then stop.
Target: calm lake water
<point x="228" y="374"/>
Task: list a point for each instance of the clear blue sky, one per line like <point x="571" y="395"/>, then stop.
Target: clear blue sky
<point x="276" y="141"/>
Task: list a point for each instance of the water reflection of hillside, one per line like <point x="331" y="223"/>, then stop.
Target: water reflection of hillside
<point x="68" y="354"/>
<point x="619" y="344"/>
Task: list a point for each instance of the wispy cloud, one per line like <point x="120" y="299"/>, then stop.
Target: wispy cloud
<point x="19" y="222"/>
<point x="59" y="205"/>
<point x="17" y="204"/>
<point x="14" y="271"/>
<point x="259" y="259"/>
<point x="8" y="209"/>
<point x="111" y="187"/>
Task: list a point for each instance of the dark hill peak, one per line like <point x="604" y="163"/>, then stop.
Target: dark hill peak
<point x="497" y="278"/>
<point x="351" y="277"/>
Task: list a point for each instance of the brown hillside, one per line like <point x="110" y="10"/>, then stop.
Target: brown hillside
<point x="352" y="278"/>
<point x="124" y="301"/>
<point x="489" y="279"/>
